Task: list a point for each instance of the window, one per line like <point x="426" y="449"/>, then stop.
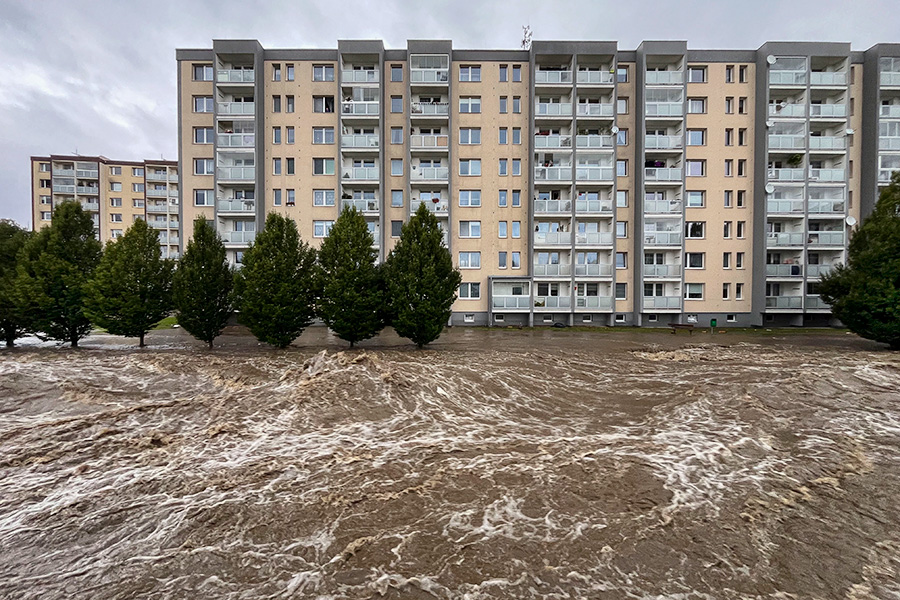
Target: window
<point x="204" y="166"/>
<point x="621" y="198"/>
<point x="396" y="72"/>
<point x="621" y="260"/>
<point x="276" y="72"/>
<point x="516" y="198"/>
<point x="470" y="197"/>
<point x="729" y="195"/>
<point x="503" y="166"/>
<point x="396" y="104"/>
<point x="742" y="73"/>
<point x="730" y="318"/>
<point x="203" y="104"/>
<point x="322" y="228"/>
<point x="695" y="168"/>
<point x="741" y="229"/>
<point x="695" y="260"/>
<point x="290" y="104"/>
<point x="276" y="166"/>
<point x="503" y="197"/>
<point x="470" y="104"/>
<point x="739" y="291"/>
<point x="470" y="229"/>
<point x="517" y="104"/>
<point x="739" y="260"/>
<point x="470" y="73"/>
<point x="203" y="197"/>
<point x="516" y="260"/>
<point x="46" y="215"/>
<point x="470" y="291"/>
<point x="323" y="135"/>
<point x="291" y="198"/>
<point x="504" y="137"/>
<point x="46" y="200"/>
<point x="203" y="73"/>
<point x="742" y="167"/>
<point x="621" y="168"/>
<point x="470" y="135"/>
<point x="396" y="135"/>
<point x="501" y="260"/>
<point x="202" y="135"/>
<point x="323" y="197"/>
<point x="622" y="137"/>
<point x="696" y="137"/>
<point x="503" y="100"/>
<point x="729" y="105"/>
<point x="290" y="134"/>
<point x="622" y="75"/>
<point x="470" y="260"/>
<point x="696" y="199"/>
<point x="726" y="230"/>
<point x="323" y="166"/>
<point x="516" y="229"/>
<point x="729" y="137"/>
<point x="696" y="74"/>
<point x="621" y="106"/>
<point x="469" y="318"/>
<point x="396" y="228"/>
<point x="726" y="291"/>
<point x="621" y="229"/>
<point x="115" y="186"/>
<point x="696" y="105"/>
<point x="397" y="198"/>
<point x="726" y="260"/>
<point x="693" y="291"/>
<point x="742" y="136"/>
<point x="470" y="166"/>
<point x="115" y="233"/>
<point x="729" y="74"/>
<point x="276" y="197"/>
<point x="501" y="229"/>
<point x="621" y="292"/>
<point x="397" y="167"/>
<point x="742" y="105"/>
<point x="289" y="74"/>
<point x="516" y="166"/>
<point x="517" y="73"/>
<point x="695" y="230"/>
<point x="116" y="202"/>
<point x="729" y="167"/>
<point x="290" y="166"/>
<point x="115" y="170"/>
<point x="323" y="104"/>
<point x="517" y="135"/>
<point x="276" y="104"/>
<point x="741" y="198"/>
<point x="276" y="135"/>
<point x="323" y="72"/>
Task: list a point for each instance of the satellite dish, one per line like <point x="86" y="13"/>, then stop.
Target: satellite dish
<point x="850" y="132"/>
<point x="769" y="123"/>
<point x="770" y="188"/>
<point x="614" y="129"/>
<point x="851" y="221"/>
<point x="770" y="59"/>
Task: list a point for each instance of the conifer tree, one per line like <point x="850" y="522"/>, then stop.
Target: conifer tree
<point x="12" y="321"/>
<point x="276" y="286"/>
<point x="202" y="285"/>
<point x="865" y="293"/>
<point x="131" y="290"/>
<point x="420" y="280"/>
<point x="54" y="266"/>
<point x="352" y="297"/>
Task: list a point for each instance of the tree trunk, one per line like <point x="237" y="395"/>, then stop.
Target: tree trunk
<point x="74" y="342"/>
<point x="10" y="342"/>
<point x="141" y="345"/>
<point x="351" y="345"/>
<point x="210" y="344"/>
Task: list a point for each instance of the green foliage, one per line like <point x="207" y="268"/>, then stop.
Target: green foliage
<point x="131" y="290"/>
<point x="202" y="285"/>
<point x="12" y="321"/>
<point x="421" y="282"/>
<point x="865" y="294"/>
<point x="352" y="297"/>
<point x="54" y="268"/>
<point x="276" y="285"/>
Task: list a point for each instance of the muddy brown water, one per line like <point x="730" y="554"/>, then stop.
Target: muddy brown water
<point x="499" y="464"/>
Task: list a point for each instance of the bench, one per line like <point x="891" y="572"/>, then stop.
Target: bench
<point x="676" y="326"/>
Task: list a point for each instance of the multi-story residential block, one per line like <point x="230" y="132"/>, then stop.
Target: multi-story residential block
<point x="576" y="183"/>
<point x="116" y="193"/>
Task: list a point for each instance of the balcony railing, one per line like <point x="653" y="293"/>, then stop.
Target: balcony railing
<point x="361" y="173"/>
<point x="156" y="224"/>
<point x="818" y="270"/>
<point x="590" y="173"/>
<point x="784" y="206"/>
<point x="236" y="140"/>
<point x="602" y="302"/>
<point x="242" y="206"/>
<point x="236" y="76"/>
<point x="154" y="193"/>
<point x="890" y="78"/>
<point x="787" y="174"/>
<point x="827" y="142"/>
<point x="595" y="141"/>
<point x="662" y="302"/>
<point x="429" y="108"/>
<point x="886" y="142"/>
<point x="784" y="301"/>
<point x="826" y="238"/>
<point x="594" y="238"/>
<point x="429" y="141"/>
<point x="891" y="111"/>
<point x="828" y="78"/>
<point x="828" y="111"/>
<point x="663" y="142"/>
<point x="788" y="110"/>
<point x="884" y="176"/>
<point x="159" y="208"/>
<point x="816" y="303"/>
<point x="359" y="140"/>
<point x="553" y="141"/>
<point x="553" y="270"/>
<point x="826" y="207"/>
<point x="552" y="302"/>
<point x="826" y="175"/>
<point x="593" y="206"/>
<point x="784" y="239"/>
<point x="553" y="76"/>
<point x="63" y="189"/>
<point x="787" y="142"/>
<point x="586" y="109"/>
<point x="653" y="207"/>
<point x="664" y="77"/>
<point x="787" y="77"/>
<point x="553" y="109"/>
<point x="553" y="238"/>
<point x="511" y="302"/>
<point x="237" y="173"/>
<point x="596" y="77"/>
<point x="784" y="271"/>
<point x="662" y="174"/>
<point x="236" y="108"/>
<point x="430" y="174"/>
<point x="238" y="237"/>
<point x="560" y="173"/>
<point x="64" y="172"/>
<point x="429" y="75"/>
<point x="359" y="76"/>
<point x="89" y="190"/>
<point x="662" y="238"/>
<point x="594" y="270"/>
<point x="442" y="206"/>
<point x="360" y="108"/>
<point x="552" y="206"/>
<point x="87" y="173"/>
<point x="156" y="177"/>
<point x="360" y="204"/>
<point x="90" y="206"/>
<point x="661" y="271"/>
<point x="664" y="109"/>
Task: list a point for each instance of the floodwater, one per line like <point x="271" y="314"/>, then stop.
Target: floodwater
<point x="546" y="464"/>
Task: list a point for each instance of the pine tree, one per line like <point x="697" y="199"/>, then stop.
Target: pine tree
<point x="276" y="286"/>
<point x="12" y="321"/>
<point x="421" y="282"/>
<point x="131" y="290"/>
<point x="202" y="285"/>
<point x="352" y="296"/>
<point x="865" y="293"/>
<point x="54" y="267"/>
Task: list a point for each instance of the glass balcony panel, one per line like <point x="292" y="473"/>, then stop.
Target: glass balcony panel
<point x="826" y="174"/>
<point x="662" y="271"/>
<point x="787" y="142"/>
<point x="561" y="173"/>
<point x="595" y="141"/>
<point x="429" y="75"/>
<point x="662" y="302"/>
<point x="429" y="108"/>
<point x="552" y="302"/>
<point x="785" y="77"/>
<point x="834" y="207"/>
<point x="360" y="108"/>
<point x="662" y="174"/>
<point x="363" y="173"/>
<point x="359" y="76"/>
<point x="784" y="239"/>
<point x="553" y="270"/>
<point x="237" y="173"/>
<point x="430" y="173"/>
<point x="788" y="110"/>
<point x="662" y="238"/>
<point x="511" y="302"/>
<point x="784" y="206"/>
<point x="888" y="143"/>
<point x="439" y="207"/>
<point x="816" y="303"/>
<point x="827" y="142"/>
<point x="429" y="141"/>
<point x="593" y="206"/>
<point x="553" y="237"/>
<point x="236" y="76"/>
<point x="890" y="78"/>
<point x="587" y="173"/>
<point x="784" y="301"/>
<point x="553" y="141"/>
<point x="602" y="302"/>
<point x="552" y="76"/>
<point x="663" y="142"/>
<point x="596" y="77"/>
<point x="360" y="204"/>
<point x="594" y="270"/>
<point x="231" y="205"/>
<point x="594" y="110"/>
<point x="787" y="174"/>
<point x="826" y="238"/>
<point x="552" y="206"/>
<point x="236" y="108"/>
<point x="828" y="78"/>
<point x="784" y="270"/>
<point x="360" y="140"/>
<point x="818" y="270"/>
<point x="664" y="109"/>
<point x="891" y="111"/>
<point x="828" y="111"/>
<point x="664" y="77"/>
<point x="662" y="206"/>
<point x="594" y="238"/>
<point x="553" y="109"/>
<point x="236" y="140"/>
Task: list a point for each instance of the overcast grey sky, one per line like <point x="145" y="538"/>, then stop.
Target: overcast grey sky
<point x="99" y="76"/>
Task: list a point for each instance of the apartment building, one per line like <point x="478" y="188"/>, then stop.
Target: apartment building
<point x="576" y="183"/>
<point x="116" y="193"/>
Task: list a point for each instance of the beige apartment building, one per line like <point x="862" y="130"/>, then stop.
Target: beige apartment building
<point x="577" y="183"/>
<point x="116" y="193"/>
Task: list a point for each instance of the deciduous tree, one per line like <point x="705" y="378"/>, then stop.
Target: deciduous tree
<point x="12" y="321"/>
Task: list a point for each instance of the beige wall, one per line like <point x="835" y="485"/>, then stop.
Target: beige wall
<point x="190" y="150"/>
<point x="855" y="149"/>
<point x="628" y="121"/>
<point x="395" y="151"/>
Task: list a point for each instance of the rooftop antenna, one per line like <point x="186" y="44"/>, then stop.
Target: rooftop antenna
<point x="526" y="37"/>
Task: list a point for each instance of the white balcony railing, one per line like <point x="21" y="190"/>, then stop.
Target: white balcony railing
<point x="662" y="271"/>
<point x="560" y="173"/>
<point x="594" y="270"/>
<point x="886" y="142"/>
<point x="593" y="206"/>
<point x="159" y="208"/>
<point x="663" y="142"/>
<point x="511" y="302"/>
<point x="360" y="204"/>
<point x="595" y="141"/>
<point x="664" y="109"/>
<point x="552" y="302"/>
<point x="231" y="205"/>
<point x="63" y="189"/>
<point x="359" y="76"/>
<point x="429" y="75"/>
<point x="662" y="174"/>
<point x="784" y="239"/>
<point x="154" y="193"/>
<point x="553" y="141"/>
<point x="594" y="238"/>
<point x="594" y="173"/>
<point x="64" y="172"/>
<point x="785" y="77"/>
<point x="818" y="270"/>
<point x="429" y="108"/>
<point x="360" y="108"/>
<point x="236" y="108"/>
<point x="662" y="302"/>
<point x="816" y="303"/>
<point x="788" y="110"/>
<point x="784" y="270"/>
<point x="601" y="302"/>
<point x="664" y="77"/>
<point x="890" y="78"/>
<point x="553" y="238"/>
<point x="662" y="238"/>
<point x="87" y="173"/>
<point x="160" y="224"/>
<point x="787" y="174"/>
<point x="553" y="270"/>
<point x="654" y="207"/>
<point x="552" y="206"/>
<point x="785" y="206"/>
<point x="361" y="173"/>
<point x="826" y="175"/>
<point x="787" y="142"/>
<point x="430" y="173"/>
<point x="827" y="142"/>
<point x="235" y="76"/>
<point x="90" y="206"/>
<point x="828" y="78"/>
<point x="552" y="77"/>
<point x="359" y="140"/>
<point x="596" y="77"/>
<point x="553" y="109"/>
<point x="826" y="238"/>
<point x="442" y="206"/>
<point x="784" y="302"/>
<point x="237" y="173"/>
<point x="88" y="189"/>
<point x="826" y="207"/>
<point x="828" y="111"/>
<point x="588" y="109"/>
<point x="238" y="237"/>
<point x="236" y="140"/>
<point x="892" y="111"/>
<point x="429" y="141"/>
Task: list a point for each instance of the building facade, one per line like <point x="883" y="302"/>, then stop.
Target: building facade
<point x="576" y="183"/>
<point x="115" y="193"/>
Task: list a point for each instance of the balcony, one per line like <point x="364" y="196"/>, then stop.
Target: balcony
<point x="238" y="237"/>
<point x="553" y="109"/>
<point x="360" y="204"/>
<point x="787" y="174"/>
<point x="784" y="271"/>
<point x="787" y="142"/>
<point x="784" y="302"/>
<point x="561" y="173"/>
<point x="553" y="141"/>
<point x="785" y="206"/>
<point x="228" y="205"/>
<point x="594" y="270"/>
<point x="826" y="175"/>
<point x="64" y="172"/>
<point x="87" y="173"/>
<point x="664" y="109"/>
<point x="511" y="302"/>
<point x="159" y="208"/>
<point x="63" y="189"/>
<point x="235" y="76"/>
<point x="359" y="76"/>
<point x="789" y="110"/>
<point x="551" y="77"/>
<point x="552" y="302"/>
<point x="359" y="140"/>
<point x="595" y="141"/>
<point x="662" y="238"/>
<point x="816" y="303"/>
<point x="87" y="189"/>
<point x="664" y="77"/>
<point x="884" y="176"/>
<point x="552" y="206"/>
<point x="553" y="270"/>
<point x="596" y="77"/>
<point x="828" y="78"/>
<point x="173" y="240"/>
<point x="236" y="108"/>
<point x="826" y="238"/>
<point x="429" y="173"/>
<point x="603" y="303"/>
<point x="827" y="143"/>
<point x="429" y="141"/>
<point x="785" y="77"/>
<point x="236" y="140"/>
<point x="890" y="78"/>
<point x="658" y="207"/>
<point x="663" y="142"/>
<point x="595" y="110"/>
<point x="553" y="238"/>
<point x="236" y="173"/>
<point x="826" y="207"/>
<point x="440" y="207"/>
<point x="891" y="111"/>
<point x="828" y="111"/>
<point x="163" y="224"/>
<point x="784" y="239"/>
<point x="593" y="206"/>
<point x="429" y="108"/>
<point x="664" y="174"/>
<point x="594" y="238"/>
<point x="90" y="206"/>
<point x="360" y="109"/>
<point x="154" y="193"/>
<point x="361" y="173"/>
<point x="594" y="173"/>
<point x="662" y="271"/>
<point x="157" y="177"/>
<point x="429" y="76"/>
<point x="662" y="302"/>
<point x="886" y="142"/>
<point x="814" y="271"/>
